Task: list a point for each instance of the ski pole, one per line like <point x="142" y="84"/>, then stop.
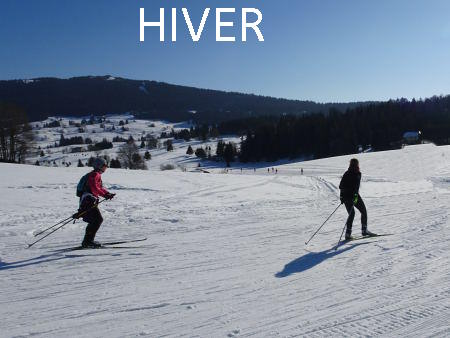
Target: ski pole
<point x="64" y="220"/>
<point x="340" y="237"/>
<point x="306" y="243"/>
<point x="65" y="223"/>
<point x="67" y="219"/>
<point x="40" y="239"/>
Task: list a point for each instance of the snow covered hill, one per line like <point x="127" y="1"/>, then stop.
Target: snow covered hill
<point x="51" y="153"/>
<point x="225" y="254"/>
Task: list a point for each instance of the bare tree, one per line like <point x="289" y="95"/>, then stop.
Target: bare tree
<point x="129" y="156"/>
<point x="151" y="141"/>
<point x="16" y="136"/>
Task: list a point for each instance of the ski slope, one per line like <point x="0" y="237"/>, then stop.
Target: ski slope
<point x="225" y="255"/>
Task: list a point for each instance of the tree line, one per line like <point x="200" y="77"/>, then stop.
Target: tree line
<point x="99" y="95"/>
<point x="380" y="125"/>
<point x="269" y="138"/>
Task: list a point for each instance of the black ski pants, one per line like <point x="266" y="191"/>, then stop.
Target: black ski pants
<point x="351" y="213"/>
<point x="94" y="219"/>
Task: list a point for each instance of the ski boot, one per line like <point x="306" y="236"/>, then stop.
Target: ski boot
<point x="91" y="244"/>
<point x="348" y="235"/>
<point x="367" y="233"/>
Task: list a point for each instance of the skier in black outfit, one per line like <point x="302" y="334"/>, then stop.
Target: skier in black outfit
<point x="349" y="187"/>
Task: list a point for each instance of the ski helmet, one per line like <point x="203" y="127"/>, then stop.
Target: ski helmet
<point x="98" y="163"/>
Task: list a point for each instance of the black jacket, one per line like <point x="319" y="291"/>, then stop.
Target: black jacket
<point x="350" y="184"/>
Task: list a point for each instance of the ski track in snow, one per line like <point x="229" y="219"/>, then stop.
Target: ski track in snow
<point x="225" y="255"/>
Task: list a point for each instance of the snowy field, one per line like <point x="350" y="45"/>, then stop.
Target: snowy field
<point x="47" y="140"/>
<point x="225" y="254"/>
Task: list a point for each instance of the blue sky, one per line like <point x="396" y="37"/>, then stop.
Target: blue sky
<point x="326" y="51"/>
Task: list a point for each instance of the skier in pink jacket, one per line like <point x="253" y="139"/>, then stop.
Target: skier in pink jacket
<point x="93" y="190"/>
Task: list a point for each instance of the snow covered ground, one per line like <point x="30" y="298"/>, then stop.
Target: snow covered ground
<point x="47" y="140"/>
<point x="225" y="254"/>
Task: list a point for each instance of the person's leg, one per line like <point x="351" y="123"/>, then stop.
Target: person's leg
<point x="351" y="216"/>
<point x="94" y="219"/>
<point x="362" y="209"/>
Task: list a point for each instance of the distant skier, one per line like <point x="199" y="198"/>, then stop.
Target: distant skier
<point x="349" y="187"/>
<point x="93" y="189"/>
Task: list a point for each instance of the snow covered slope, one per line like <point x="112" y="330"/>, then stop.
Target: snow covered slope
<point x="225" y="255"/>
<point x="50" y="153"/>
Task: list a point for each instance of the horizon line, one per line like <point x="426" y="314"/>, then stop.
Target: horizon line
<point x="359" y="101"/>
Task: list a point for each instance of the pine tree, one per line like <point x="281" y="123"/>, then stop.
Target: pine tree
<point x="220" y="148"/>
<point x="115" y="163"/>
<point x="169" y="145"/>
<point x="200" y="152"/>
<point x="189" y="150"/>
<point x="229" y="153"/>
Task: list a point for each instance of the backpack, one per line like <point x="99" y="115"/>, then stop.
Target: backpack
<point x="82" y="185"/>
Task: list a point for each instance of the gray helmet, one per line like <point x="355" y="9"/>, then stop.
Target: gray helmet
<point x="98" y="163"/>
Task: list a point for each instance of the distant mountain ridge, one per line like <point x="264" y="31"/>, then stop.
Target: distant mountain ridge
<point x="98" y="95"/>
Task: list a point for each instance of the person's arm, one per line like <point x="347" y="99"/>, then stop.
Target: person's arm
<point x="356" y="179"/>
<point x="95" y="183"/>
<point x="357" y="183"/>
<point x="343" y="184"/>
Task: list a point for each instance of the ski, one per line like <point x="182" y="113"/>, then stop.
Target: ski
<point x="124" y="241"/>
<point x="106" y="245"/>
<point x="76" y="248"/>
<point x="347" y="241"/>
<point x="365" y="237"/>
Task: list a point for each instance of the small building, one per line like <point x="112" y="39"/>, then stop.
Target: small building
<point x="412" y="137"/>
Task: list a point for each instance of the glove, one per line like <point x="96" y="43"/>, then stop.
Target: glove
<point x="109" y="196"/>
<point x="355" y="198"/>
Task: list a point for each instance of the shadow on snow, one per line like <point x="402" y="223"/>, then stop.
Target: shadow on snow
<point x="311" y="260"/>
<point x="55" y="256"/>
<point x="31" y="261"/>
